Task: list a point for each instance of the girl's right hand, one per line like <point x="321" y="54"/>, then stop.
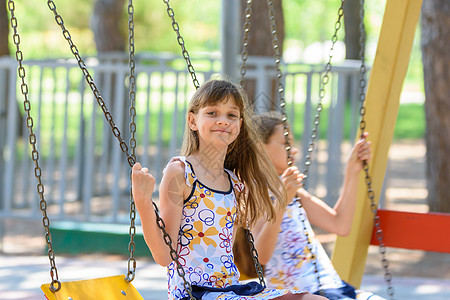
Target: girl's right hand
<point x="142" y="183"/>
<point x="292" y="180"/>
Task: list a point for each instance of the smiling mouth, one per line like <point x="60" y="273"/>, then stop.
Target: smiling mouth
<point x="219" y="130"/>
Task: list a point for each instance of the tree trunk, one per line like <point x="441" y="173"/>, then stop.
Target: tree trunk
<point x="435" y="42"/>
<point x="4" y="29"/>
<point x="351" y="25"/>
<point x="105" y="25"/>
<point x="4" y="50"/>
<point x="260" y="39"/>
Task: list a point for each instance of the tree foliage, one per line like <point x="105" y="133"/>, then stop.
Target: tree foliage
<point x="41" y="36"/>
<point x="200" y="26"/>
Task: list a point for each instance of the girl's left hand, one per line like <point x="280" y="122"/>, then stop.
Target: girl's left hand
<point x="361" y="152"/>
<point x="292" y="180"/>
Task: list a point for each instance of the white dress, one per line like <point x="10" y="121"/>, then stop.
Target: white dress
<point x="291" y="265"/>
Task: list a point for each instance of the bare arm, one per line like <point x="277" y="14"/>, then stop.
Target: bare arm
<point x="266" y="236"/>
<point x="266" y="233"/>
<point x="339" y="219"/>
<point x="171" y="203"/>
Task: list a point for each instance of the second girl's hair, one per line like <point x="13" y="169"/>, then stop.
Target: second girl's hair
<point x="266" y="123"/>
<point x="245" y="156"/>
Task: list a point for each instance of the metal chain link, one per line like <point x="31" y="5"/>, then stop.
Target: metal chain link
<point x="324" y="81"/>
<point x="55" y="285"/>
<point x="309" y="246"/>
<point x="244" y="56"/>
<point x="277" y="57"/>
<point x="368" y="180"/>
<point x="59" y="20"/>
<point x="254" y="253"/>
<point x="191" y="70"/>
<point x="132" y="96"/>
<point x="173" y="254"/>
<point x="244" y="53"/>
<point x="180" y="40"/>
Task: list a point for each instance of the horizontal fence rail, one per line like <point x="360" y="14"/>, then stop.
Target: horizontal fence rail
<point x="86" y="176"/>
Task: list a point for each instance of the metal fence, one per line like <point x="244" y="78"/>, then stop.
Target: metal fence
<point x="85" y="174"/>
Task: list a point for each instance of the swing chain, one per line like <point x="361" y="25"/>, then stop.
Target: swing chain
<point x="244" y="54"/>
<point x="173" y="254"/>
<point x="254" y="253"/>
<point x="324" y="81"/>
<point x="368" y="180"/>
<point x="311" y="147"/>
<point x="309" y="246"/>
<point x="277" y="58"/>
<point x="180" y="40"/>
<point x="59" y="20"/>
<point x="379" y="234"/>
<point x="55" y="285"/>
<point x="132" y="95"/>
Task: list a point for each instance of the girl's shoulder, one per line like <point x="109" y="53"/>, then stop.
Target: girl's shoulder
<point x="175" y="166"/>
<point x="232" y="175"/>
<point x="180" y="169"/>
<point x="175" y="179"/>
<point x="237" y="184"/>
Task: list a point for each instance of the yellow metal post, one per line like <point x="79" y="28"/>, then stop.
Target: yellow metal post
<point x="382" y="103"/>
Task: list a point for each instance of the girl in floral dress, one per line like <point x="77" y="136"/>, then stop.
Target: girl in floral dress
<point x="283" y="246"/>
<point x="220" y="180"/>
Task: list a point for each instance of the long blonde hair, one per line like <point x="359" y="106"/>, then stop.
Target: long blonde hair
<point x="245" y="156"/>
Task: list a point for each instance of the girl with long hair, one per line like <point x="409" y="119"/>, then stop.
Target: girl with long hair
<point x="222" y="179"/>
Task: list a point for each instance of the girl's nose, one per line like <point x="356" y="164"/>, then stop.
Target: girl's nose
<point x="222" y="120"/>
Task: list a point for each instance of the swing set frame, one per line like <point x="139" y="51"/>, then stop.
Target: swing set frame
<point x="400" y="229"/>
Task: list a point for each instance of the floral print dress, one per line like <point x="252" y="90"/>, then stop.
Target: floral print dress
<point x="205" y="241"/>
<point x="291" y="265"/>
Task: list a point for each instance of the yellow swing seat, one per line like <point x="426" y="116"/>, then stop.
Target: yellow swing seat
<point x="107" y="288"/>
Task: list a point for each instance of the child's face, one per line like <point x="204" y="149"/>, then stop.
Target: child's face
<point x="276" y="149"/>
<point x="218" y="124"/>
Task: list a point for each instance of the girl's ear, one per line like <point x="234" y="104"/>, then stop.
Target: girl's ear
<point x="240" y="122"/>
<point x="192" y="121"/>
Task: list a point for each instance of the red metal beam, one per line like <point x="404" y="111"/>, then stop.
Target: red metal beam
<point x="408" y="230"/>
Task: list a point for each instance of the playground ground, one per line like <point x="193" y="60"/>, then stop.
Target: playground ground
<point x="416" y="274"/>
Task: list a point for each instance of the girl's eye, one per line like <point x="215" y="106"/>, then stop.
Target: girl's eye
<point x="233" y="116"/>
<point x="211" y="113"/>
